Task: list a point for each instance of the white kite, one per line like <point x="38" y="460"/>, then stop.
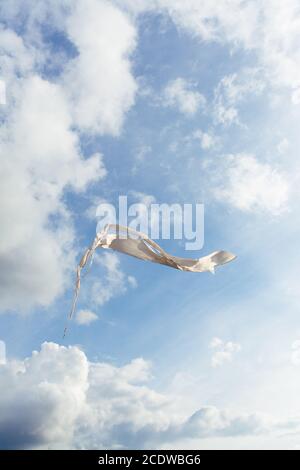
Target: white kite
<point x="137" y="244"/>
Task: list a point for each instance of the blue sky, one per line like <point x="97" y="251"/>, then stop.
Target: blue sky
<point x="180" y="103"/>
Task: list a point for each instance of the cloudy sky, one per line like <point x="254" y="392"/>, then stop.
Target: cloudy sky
<point x="166" y="101"/>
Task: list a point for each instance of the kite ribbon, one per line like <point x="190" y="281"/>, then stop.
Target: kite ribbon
<point x="137" y="244"/>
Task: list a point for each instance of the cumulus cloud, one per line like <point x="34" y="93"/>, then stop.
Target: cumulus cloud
<point x="41" y="157"/>
<point x="223" y="351"/>
<point x="99" y="81"/>
<point x="56" y="398"/>
<point x="85" y="317"/>
<point x="250" y="185"/>
<point x="16" y="57"/>
<point x="210" y="421"/>
<point x="43" y="121"/>
<point x="42" y="397"/>
<point x="179" y="93"/>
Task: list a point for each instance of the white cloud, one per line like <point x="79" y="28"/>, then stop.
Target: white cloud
<point x="142" y="152"/>
<point x="251" y="186"/>
<point x="283" y="146"/>
<point x="207" y="139"/>
<point x="280" y="33"/>
<point x="40" y="157"/>
<point x="132" y="281"/>
<point x="33" y="13"/>
<point x="42" y="396"/>
<point x="16" y="58"/>
<point x="91" y="211"/>
<point x="40" y="139"/>
<point x="113" y="282"/>
<point x="232" y="90"/>
<point x="99" y="81"/>
<point x="210" y="421"/>
<point x="295" y="356"/>
<point x="179" y="93"/>
<point x="56" y="398"/>
<point x="224" y="351"/>
<point x="216" y="343"/>
<point x="85" y="317"/>
<point x="140" y="155"/>
<point x="272" y="34"/>
<point x="214" y="20"/>
<point x="100" y="85"/>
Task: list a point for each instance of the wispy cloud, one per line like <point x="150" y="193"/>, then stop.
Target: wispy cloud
<point x="179" y="93"/>
<point x="233" y="90"/>
<point x="223" y="351"/>
<point x="208" y="140"/>
<point x="250" y="185"/>
<point x="113" y="282"/>
<point x="85" y="317"/>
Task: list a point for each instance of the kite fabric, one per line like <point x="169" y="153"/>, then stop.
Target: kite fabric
<point x="137" y="244"/>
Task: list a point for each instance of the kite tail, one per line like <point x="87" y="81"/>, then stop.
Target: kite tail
<point x="87" y="257"/>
